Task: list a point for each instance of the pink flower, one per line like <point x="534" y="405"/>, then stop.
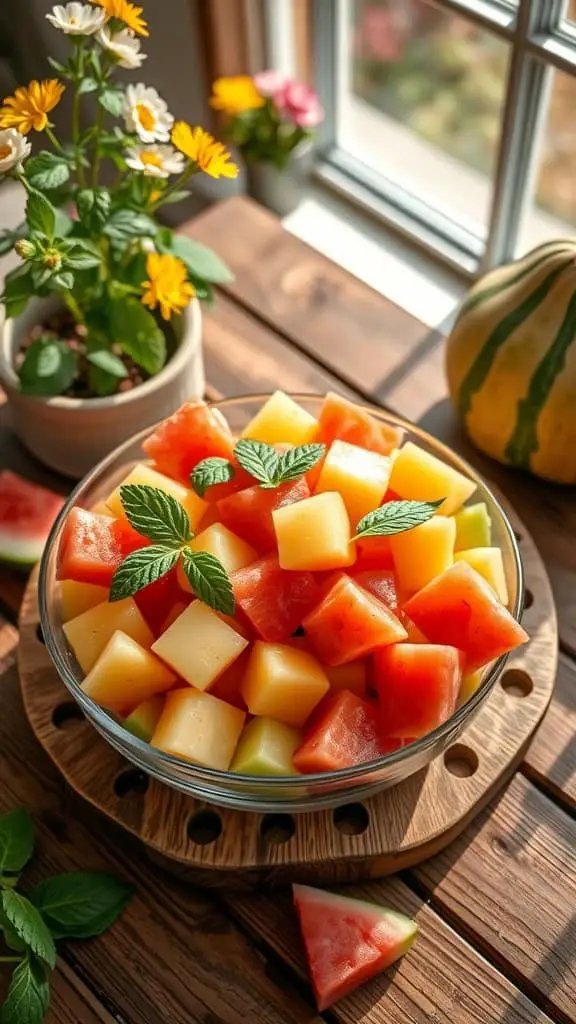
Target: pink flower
<point x="299" y="103"/>
<point x="270" y="82"/>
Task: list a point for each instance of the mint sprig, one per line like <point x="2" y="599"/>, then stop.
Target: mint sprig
<point x="141" y="568"/>
<point x="209" y="580"/>
<point x="396" y="517"/>
<point x="272" y="469"/>
<point x="155" y="514"/>
<point x="210" y="472"/>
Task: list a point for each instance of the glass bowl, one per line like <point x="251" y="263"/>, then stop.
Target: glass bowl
<point x="249" y="792"/>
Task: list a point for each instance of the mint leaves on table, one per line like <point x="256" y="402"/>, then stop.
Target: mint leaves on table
<point x="208" y="472"/>
<point x="78" y="905"/>
<point x="396" y="517"/>
<point x="163" y="520"/>
<point x="268" y="467"/>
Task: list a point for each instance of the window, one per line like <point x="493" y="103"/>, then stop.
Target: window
<point x="453" y="120"/>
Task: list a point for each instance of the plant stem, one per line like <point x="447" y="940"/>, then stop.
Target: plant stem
<point x="52" y="137"/>
<point x="8" y="881"/>
<point x="73" y="306"/>
<point x="11" y="959"/>
<point x="191" y="169"/>
<point x="96" y="165"/>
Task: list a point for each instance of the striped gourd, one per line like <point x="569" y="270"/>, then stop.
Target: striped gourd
<point x="511" y="362"/>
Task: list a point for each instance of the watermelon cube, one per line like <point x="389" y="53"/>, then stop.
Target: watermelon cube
<point x="353" y="676"/>
<point x="461" y="609"/>
<point x="359" y="476"/>
<point x="194" y="432"/>
<point x="374" y="553"/>
<point x="282" y="420"/>
<point x="157" y="601"/>
<point x="417" y="686"/>
<point x="284" y="683"/>
<point x="249" y="512"/>
<point x="348" y="941"/>
<point x="380" y="582"/>
<point x="344" y="731"/>
<point x="342" y="420"/>
<point x="349" y="623"/>
<point x="421" y="476"/>
<point x="274" y="600"/>
<point x="93" y="546"/>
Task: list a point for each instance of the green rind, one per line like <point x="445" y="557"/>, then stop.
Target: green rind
<point x="405" y="926"/>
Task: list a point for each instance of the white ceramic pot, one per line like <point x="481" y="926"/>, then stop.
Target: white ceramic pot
<point x="72" y="434"/>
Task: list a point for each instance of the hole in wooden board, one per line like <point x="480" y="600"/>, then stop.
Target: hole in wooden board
<point x="65" y="715"/>
<point x="516" y="682"/>
<point x="276" y="829"/>
<point x="40" y="635"/>
<point x="131" y="783"/>
<point x="351" y="819"/>
<point x="461" y="760"/>
<point x="528" y="599"/>
<point x="204" y="828"/>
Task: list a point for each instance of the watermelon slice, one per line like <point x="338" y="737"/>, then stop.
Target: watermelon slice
<point x="348" y="941"/>
<point x="27" y="513"/>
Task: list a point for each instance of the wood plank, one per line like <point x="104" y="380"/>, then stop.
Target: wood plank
<point x="551" y="758"/>
<point x="441" y="979"/>
<point x="510" y="882"/>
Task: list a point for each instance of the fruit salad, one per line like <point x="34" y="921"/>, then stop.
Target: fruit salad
<point x="306" y="597"/>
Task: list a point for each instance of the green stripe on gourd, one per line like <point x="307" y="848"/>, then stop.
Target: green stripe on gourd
<point x="524" y="440"/>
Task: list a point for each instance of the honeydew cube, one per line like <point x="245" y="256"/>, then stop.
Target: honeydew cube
<point x="76" y="598"/>
<point x="469" y="685"/>
<point x="143" y="720"/>
<point x="199" y="645"/>
<point x="420" y="476"/>
<point x="143" y="474"/>
<point x="89" y="633"/>
<point x="473" y="527"/>
<point x="360" y="476"/>
<point x="314" y="533"/>
<point x="126" y="674"/>
<point x="200" y="728"/>
<point x="281" y="419"/>
<point x="423" y="553"/>
<point x="490" y="564"/>
<point x="266" y="747"/>
<point x="233" y="552"/>
<point x="283" y="683"/>
<point x="352" y="676"/>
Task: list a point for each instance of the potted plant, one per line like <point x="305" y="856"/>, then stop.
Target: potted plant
<point x="102" y="335"/>
<point x="271" y="119"/>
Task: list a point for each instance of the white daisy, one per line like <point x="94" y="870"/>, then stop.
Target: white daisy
<point x="14" y="148"/>
<point x="77" y="19"/>
<point x="123" y="45"/>
<point x="155" y="161"/>
<point x="146" y="113"/>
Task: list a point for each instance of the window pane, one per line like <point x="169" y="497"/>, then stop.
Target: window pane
<point x="553" y="212"/>
<point x="421" y="101"/>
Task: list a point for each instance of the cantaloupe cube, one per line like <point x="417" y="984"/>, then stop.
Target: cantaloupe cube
<point x="76" y="598"/>
<point x="89" y="632"/>
<point x="314" y="533"/>
<point x="266" y="747"/>
<point x="420" y="476"/>
<point x="360" y="476"/>
<point x="143" y="474"/>
<point x="490" y="564"/>
<point x="199" y="646"/>
<point x="282" y="419"/>
<point x="218" y="540"/>
<point x="125" y="675"/>
<point x="143" y="720"/>
<point x="469" y="685"/>
<point x="473" y="527"/>
<point x="352" y="676"/>
<point x="423" y="553"/>
<point x="200" y="728"/>
<point x="283" y="683"/>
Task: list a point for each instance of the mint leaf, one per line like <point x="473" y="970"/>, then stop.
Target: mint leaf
<point x="47" y="170"/>
<point x="16" y="840"/>
<point x="40" y="214"/>
<point x="28" y="996"/>
<point x="11" y="937"/>
<point x="209" y="472"/>
<point x="80" y="905"/>
<point x="297" y="461"/>
<point x="29" y="925"/>
<point x="258" y="459"/>
<point x="155" y="514"/>
<point x="140" y="568"/>
<point x="396" y="517"/>
<point x="209" y="580"/>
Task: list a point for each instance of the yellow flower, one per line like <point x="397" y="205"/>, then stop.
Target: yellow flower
<point x="129" y="13"/>
<point x="212" y="157"/>
<point x="167" y="285"/>
<point x="28" y="107"/>
<point x="236" y="94"/>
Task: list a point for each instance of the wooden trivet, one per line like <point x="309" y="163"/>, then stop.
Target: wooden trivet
<point x="395" y="829"/>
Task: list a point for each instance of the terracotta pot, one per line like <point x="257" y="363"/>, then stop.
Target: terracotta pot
<point x="72" y="434"/>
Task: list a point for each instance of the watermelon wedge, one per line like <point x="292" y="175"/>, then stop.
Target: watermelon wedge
<point x="348" y="941"/>
<point x="27" y="512"/>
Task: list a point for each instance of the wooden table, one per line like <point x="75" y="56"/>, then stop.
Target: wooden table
<point x="497" y="908"/>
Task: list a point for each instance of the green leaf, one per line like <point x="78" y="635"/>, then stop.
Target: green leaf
<point x="396" y="517"/>
<point x="64" y="223"/>
<point x="11" y="937"/>
<point x="47" y="170"/>
<point x="209" y="580"/>
<point x="142" y="567"/>
<point x="87" y="85"/>
<point x="40" y="215"/>
<point x="208" y="472"/>
<point x="29" y="925"/>
<point x="155" y="514"/>
<point x="81" y="905"/>
<point x="60" y="68"/>
<point x="18" y="289"/>
<point x="125" y="224"/>
<point x="49" y="367"/>
<point x="7" y="239"/>
<point x="80" y="258"/>
<point x="16" y="840"/>
<point x="28" y="996"/>
<point x="63" y="281"/>
<point x="112" y="100"/>
<point x="177" y="197"/>
<point x="258" y="459"/>
<point x="101" y="382"/>
<point x="199" y="259"/>
<point x="41" y="276"/>
<point x="105" y="360"/>
<point x="297" y="461"/>
<point x="136" y="330"/>
<point x="93" y="207"/>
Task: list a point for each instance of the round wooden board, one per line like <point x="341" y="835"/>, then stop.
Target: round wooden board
<point x="395" y="829"/>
